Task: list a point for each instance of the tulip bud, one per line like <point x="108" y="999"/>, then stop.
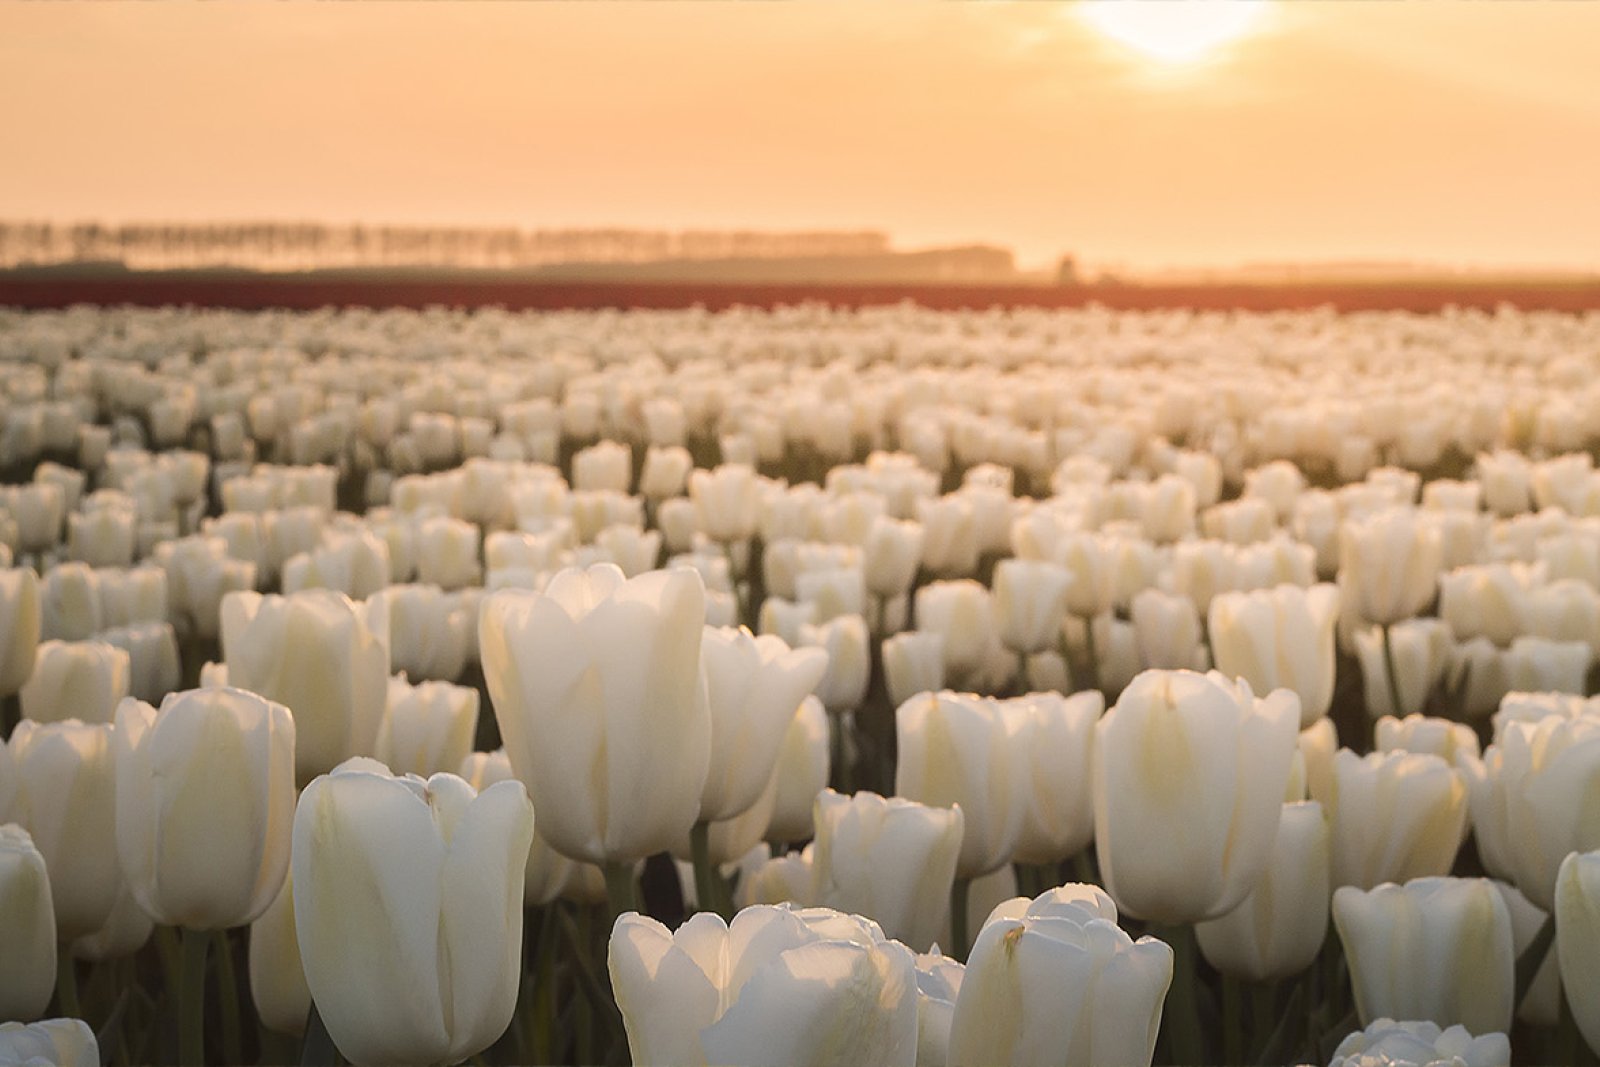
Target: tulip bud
<point x="20" y="625"/>
<point x="1394" y="816"/>
<point x="1537" y="664"/>
<point x="1529" y="800"/>
<point x="1030" y="602"/>
<point x="66" y="800"/>
<point x="1421" y="650"/>
<point x="1068" y="988"/>
<point x="205" y="795"/>
<point x="893" y="860"/>
<point x="597" y="688"/>
<point x="427" y="728"/>
<point x="323" y="656"/>
<point x="768" y="988"/>
<point x="27" y="927"/>
<point x="785" y="619"/>
<point x="1279" y="929"/>
<point x="76" y="680"/>
<point x="548" y="873"/>
<point x="913" y="662"/>
<point x="957" y="749"/>
<point x="407" y="908"/>
<point x="1391" y="561"/>
<point x="1189" y="774"/>
<point x="125" y="931"/>
<point x="1404" y="944"/>
<point x="1279" y="639"/>
<point x="1387" y="1043"/>
<point x="1054" y="751"/>
<point x="777" y="880"/>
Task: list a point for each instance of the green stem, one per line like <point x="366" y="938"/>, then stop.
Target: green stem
<point x="960" y="890"/>
<point x="318" y="1049"/>
<point x="1181" y="1019"/>
<point x="10" y="714"/>
<point x="840" y="770"/>
<point x="708" y="890"/>
<point x="622" y="890"/>
<point x="1394" y="675"/>
<point x="232" y="1030"/>
<point x="1263" y="1011"/>
<point x="192" y="998"/>
<point x="1232" y="1020"/>
<point x="543" y="977"/>
<point x="1091" y="672"/>
<point x="1533" y="958"/>
<point x="67" y="1003"/>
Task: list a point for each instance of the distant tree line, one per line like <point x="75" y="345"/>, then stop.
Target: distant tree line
<point x="306" y="245"/>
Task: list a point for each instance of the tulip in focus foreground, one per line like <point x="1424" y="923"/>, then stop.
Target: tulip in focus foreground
<point x="408" y="910"/>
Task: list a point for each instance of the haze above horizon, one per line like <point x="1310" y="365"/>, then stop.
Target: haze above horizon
<point x="1457" y="134"/>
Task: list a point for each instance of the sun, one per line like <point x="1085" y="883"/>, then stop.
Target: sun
<point x="1173" y="31"/>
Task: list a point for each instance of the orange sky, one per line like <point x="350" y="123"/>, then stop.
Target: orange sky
<point x="1454" y="133"/>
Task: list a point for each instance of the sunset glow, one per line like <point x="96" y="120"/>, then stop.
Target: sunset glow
<point x="1174" y="31"/>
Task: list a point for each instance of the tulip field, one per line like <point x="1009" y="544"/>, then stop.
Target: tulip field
<point x="882" y="686"/>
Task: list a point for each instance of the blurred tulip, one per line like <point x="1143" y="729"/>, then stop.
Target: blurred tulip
<point x="1166" y="629"/>
<point x="76" y="680"/>
<point x="277" y="977"/>
<point x="1391" y="561"/>
<point x="725" y="502"/>
<point x="548" y="873"/>
<point x="1030" y="603"/>
<point x="323" y="656"/>
<point x="205" y="794"/>
<point x="27" y="927"/>
<point x="427" y="728"/>
<point x="1421" y="650"/>
<point x="1577" y="914"/>
<point x="1403" y="944"/>
<point x="801" y="772"/>
<point x="1189" y="774"/>
<point x="1386" y="1043"/>
<point x="1420" y="734"/>
<point x="428" y="633"/>
<point x="408" y="911"/>
<point x="597" y="689"/>
<point x="961" y="612"/>
<point x="848" y="644"/>
<point x="1279" y="639"/>
<point x="754" y="686"/>
<point x="892" y="860"/>
<point x="154" y="669"/>
<point x="20" y="624"/>
<point x="1394" y="816"/>
<point x="62" y="1042"/>
<point x="1529" y="800"/>
<point x="1279" y="929"/>
<point x="962" y="750"/>
<point x="1054" y="750"/>
<point x="891" y="556"/>
<point x="66" y="800"/>
<point x="69" y="598"/>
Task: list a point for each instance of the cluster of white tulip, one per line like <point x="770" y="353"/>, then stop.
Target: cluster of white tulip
<point x="1254" y="652"/>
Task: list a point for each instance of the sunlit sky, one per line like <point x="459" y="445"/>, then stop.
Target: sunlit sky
<point x="1465" y="134"/>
